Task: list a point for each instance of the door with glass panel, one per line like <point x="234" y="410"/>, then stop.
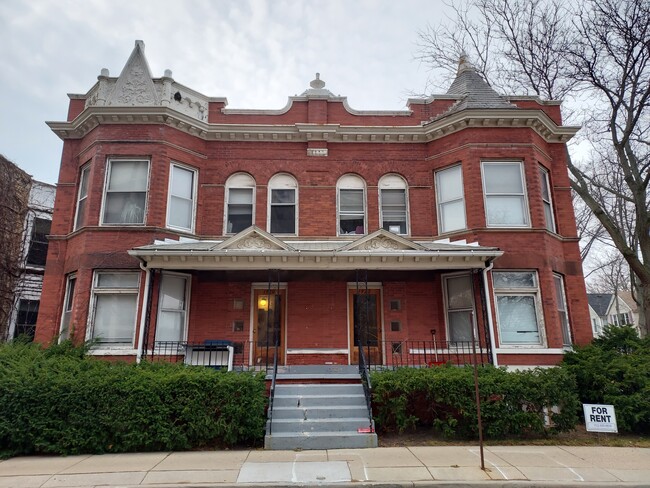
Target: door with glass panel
<point x="268" y="326"/>
<point x="172" y="308"/>
<point x="365" y="325"/>
<point x="460" y="309"/>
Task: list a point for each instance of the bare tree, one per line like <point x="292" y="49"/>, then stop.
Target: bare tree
<point x="596" y="54"/>
<point x="14" y="194"/>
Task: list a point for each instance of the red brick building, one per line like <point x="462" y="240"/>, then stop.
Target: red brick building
<point x="317" y="227"/>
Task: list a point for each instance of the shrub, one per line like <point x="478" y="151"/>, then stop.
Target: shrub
<point x="512" y="403"/>
<point x="58" y="401"/>
<point x="615" y="370"/>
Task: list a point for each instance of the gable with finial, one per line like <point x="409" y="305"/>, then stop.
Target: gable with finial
<point x="253" y="239"/>
<point x="382" y="240"/>
<point x="134" y="87"/>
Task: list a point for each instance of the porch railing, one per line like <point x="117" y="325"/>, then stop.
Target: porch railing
<point x="377" y="355"/>
<point x="427" y="353"/>
<point x="272" y="392"/>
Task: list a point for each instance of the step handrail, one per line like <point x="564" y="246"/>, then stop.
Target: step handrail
<point x="272" y="392"/>
<point x="364" y="372"/>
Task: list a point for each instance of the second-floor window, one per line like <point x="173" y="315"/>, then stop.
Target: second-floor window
<point x="240" y="199"/>
<point x="351" y="205"/>
<point x="37" y="254"/>
<point x="125" y="197"/>
<point x="451" y="199"/>
<point x="505" y="196"/>
<point x="393" y="204"/>
<point x="546" y="199"/>
<point x="283" y="204"/>
<point x="180" y="206"/>
<point x="82" y="197"/>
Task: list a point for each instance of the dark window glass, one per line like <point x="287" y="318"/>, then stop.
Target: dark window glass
<point x="38" y="245"/>
<point x="26" y="319"/>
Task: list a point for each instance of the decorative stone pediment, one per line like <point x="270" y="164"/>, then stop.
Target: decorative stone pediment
<point x="135" y="86"/>
<point x="253" y="239"/>
<point x="382" y="240"/>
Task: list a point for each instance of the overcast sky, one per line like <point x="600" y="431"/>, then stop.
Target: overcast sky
<point x="256" y="53"/>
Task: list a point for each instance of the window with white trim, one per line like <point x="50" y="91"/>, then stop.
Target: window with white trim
<point x="82" y="197"/>
<point x="68" y="301"/>
<point x="181" y="200"/>
<point x="562" y="309"/>
<point x="549" y="219"/>
<point x="114" y="307"/>
<point x="172" y="308"/>
<point x="283" y="205"/>
<point x="518" y="309"/>
<point x="240" y="199"/>
<point x="125" y="196"/>
<point x="393" y="204"/>
<point x="351" y="205"/>
<point x="451" y="199"/>
<point x="459" y="304"/>
<point x="505" y="195"/>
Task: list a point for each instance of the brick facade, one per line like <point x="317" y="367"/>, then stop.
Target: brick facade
<point x="264" y="143"/>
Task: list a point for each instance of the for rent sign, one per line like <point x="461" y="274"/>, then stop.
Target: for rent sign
<point x="600" y="418"/>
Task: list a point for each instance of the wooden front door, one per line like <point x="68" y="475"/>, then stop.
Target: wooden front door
<point x="268" y="326"/>
<point x="365" y="325"/>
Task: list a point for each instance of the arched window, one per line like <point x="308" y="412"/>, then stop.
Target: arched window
<point x="283" y="205"/>
<point x="240" y="203"/>
<point x="351" y="205"/>
<point x="393" y="208"/>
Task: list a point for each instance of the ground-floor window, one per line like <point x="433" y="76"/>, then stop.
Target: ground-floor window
<point x="114" y="307"/>
<point x="172" y="308"/>
<point x="562" y="310"/>
<point x="459" y="303"/>
<point x="68" y="300"/>
<point x="517" y="300"/>
<point x="26" y="318"/>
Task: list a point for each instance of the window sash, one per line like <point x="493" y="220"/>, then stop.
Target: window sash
<point x="505" y="196"/>
<point x="518" y="318"/>
<point x="181" y="198"/>
<point x="393" y="210"/>
<point x="37" y="254"/>
<point x="283" y="211"/>
<point x="115" y="303"/>
<point x="68" y="302"/>
<point x="451" y="199"/>
<point x="125" y="196"/>
<point x="459" y="304"/>
<point x="546" y="200"/>
<point x="562" y="311"/>
<point x="82" y="198"/>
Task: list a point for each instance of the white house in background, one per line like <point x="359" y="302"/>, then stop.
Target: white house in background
<point x="626" y="296"/>
<point x="608" y="309"/>
<point x="27" y="294"/>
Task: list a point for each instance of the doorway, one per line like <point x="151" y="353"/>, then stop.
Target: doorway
<point x="365" y="325"/>
<point x="268" y="325"/>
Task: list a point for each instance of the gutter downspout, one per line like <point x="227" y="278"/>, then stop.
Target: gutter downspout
<point x="143" y="314"/>
<point x="495" y="362"/>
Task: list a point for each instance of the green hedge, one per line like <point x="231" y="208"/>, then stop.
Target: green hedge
<point x="512" y="403"/>
<point x="615" y="370"/>
<point x="58" y="401"/>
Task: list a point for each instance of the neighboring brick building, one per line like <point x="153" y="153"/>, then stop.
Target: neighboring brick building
<point x="178" y="220"/>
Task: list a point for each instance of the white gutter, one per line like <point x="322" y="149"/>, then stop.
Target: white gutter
<point x="143" y="314"/>
<point x="495" y="361"/>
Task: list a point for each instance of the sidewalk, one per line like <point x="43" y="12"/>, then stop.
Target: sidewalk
<point x="511" y="466"/>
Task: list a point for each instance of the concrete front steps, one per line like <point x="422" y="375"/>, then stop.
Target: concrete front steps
<point x="319" y="407"/>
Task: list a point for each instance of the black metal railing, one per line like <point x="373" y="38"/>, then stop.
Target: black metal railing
<point x="209" y="353"/>
<point x="364" y="371"/>
<point x="428" y="353"/>
<point x="376" y="354"/>
<point x="272" y="392"/>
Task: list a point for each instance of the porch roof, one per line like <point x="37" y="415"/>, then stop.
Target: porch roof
<point x="255" y="249"/>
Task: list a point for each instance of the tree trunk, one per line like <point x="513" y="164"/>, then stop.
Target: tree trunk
<point x="643" y="294"/>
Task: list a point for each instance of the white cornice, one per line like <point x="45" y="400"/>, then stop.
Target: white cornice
<point x="537" y="120"/>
